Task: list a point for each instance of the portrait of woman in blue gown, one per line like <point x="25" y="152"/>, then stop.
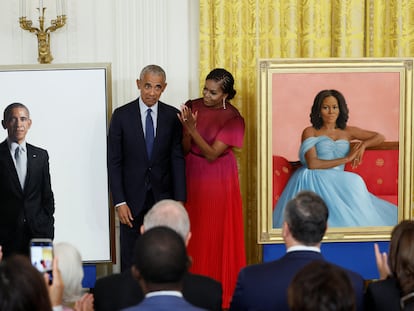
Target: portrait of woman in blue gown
<point x="324" y="151"/>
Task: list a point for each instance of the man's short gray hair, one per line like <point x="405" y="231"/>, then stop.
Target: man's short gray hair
<point x="168" y="213"/>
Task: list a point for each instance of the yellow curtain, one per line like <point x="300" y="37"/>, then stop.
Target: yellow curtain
<point x="235" y="33"/>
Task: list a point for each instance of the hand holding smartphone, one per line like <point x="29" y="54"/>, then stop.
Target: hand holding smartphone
<point x="41" y="255"/>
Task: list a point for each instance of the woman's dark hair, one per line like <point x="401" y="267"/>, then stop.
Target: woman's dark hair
<point x="401" y="255"/>
<point x="226" y="80"/>
<point x="321" y="286"/>
<point x="22" y="287"/>
<point x="315" y="115"/>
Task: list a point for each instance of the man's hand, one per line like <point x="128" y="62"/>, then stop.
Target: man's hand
<point x="124" y="215"/>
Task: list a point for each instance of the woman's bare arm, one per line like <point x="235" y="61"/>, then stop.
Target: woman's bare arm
<point x="314" y="162"/>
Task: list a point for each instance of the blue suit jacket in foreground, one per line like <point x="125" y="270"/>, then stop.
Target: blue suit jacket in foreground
<point x="164" y="302"/>
<point x="122" y="290"/>
<point x="264" y="286"/>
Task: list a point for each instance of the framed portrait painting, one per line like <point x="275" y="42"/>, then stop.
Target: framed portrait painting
<point x="366" y="200"/>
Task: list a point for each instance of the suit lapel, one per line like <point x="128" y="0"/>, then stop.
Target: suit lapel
<point x="8" y="160"/>
<point x="161" y="120"/>
<point x="32" y="158"/>
<point x="141" y="137"/>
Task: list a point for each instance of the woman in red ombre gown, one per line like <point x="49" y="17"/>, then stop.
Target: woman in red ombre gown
<point x="212" y="127"/>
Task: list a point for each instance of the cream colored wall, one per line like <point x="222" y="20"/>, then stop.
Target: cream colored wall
<point x="129" y="34"/>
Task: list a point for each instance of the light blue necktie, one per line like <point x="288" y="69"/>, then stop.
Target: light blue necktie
<point x="149" y="132"/>
<point x="20" y="165"/>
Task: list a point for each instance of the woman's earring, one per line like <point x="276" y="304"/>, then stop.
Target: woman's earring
<point x="224" y="103"/>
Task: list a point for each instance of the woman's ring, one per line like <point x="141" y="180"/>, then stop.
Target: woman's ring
<point x="185" y="120"/>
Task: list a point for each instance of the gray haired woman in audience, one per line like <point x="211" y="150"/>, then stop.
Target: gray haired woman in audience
<point x="70" y="266"/>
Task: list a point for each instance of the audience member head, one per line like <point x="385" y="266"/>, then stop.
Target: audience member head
<point x="70" y="266"/>
<point x="315" y="115"/>
<point x="160" y="259"/>
<point x="22" y="286"/>
<point x="305" y="219"/>
<point x="401" y="257"/>
<point x="171" y="214"/>
<point x="321" y="286"/>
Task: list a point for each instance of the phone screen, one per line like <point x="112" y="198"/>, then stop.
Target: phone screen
<point x="41" y="254"/>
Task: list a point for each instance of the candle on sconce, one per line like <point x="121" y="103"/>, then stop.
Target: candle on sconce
<point x="42" y="33"/>
<point x="22" y="8"/>
<point x="63" y="7"/>
<point x="59" y="8"/>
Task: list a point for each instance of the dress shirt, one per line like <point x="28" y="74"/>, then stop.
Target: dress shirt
<point x="303" y="248"/>
<point x="143" y="111"/>
<point x="12" y="147"/>
<point x="164" y="293"/>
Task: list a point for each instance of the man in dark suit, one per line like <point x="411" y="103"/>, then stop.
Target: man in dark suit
<point x="119" y="291"/>
<point x="26" y="197"/>
<point x="145" y="157"/>
<point x="160" y="263"/>
<point x="264" y="286"/>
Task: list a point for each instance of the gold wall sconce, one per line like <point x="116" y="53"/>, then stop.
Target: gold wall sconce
<point x="42" y="33"/>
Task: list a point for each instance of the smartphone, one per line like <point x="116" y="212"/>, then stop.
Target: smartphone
<point x="41" y="255"/>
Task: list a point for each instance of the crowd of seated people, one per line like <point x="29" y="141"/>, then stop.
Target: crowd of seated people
<point x="301" y="280"/>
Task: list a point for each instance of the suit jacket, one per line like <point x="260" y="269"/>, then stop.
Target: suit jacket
<point x="30" y="209"/>
<point x="264" y="286"/>
<point x="118" y="291"/>
<point x="164" y="302"/>
<point x="383" y="295"/>
<point x="131" y="172"/>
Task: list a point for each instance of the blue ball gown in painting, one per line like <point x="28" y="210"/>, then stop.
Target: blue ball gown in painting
<point x="345" y="193"/>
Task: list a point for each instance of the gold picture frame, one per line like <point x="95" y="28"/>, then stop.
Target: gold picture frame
<point x="286" y="89"/>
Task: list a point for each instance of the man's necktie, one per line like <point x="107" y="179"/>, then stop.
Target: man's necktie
<point x="149" y="132"/>
<point x="20" y="165"/>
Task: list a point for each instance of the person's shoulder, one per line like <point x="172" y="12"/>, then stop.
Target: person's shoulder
<point x="4" y="145"/>
<point x="234" y="111"/>
<point x="167" y="107"/>
<point x="117" y="277"/>
<point x="194" y="102"/>
<point x="35" y="149"/>
<point x="114" y="279"/>
<point x="308" y="132"/>
<point x="127" y="107"/>
<point x="264" y="268"/>
<point x="191" y="278"/>
<point x="388" y="284"/>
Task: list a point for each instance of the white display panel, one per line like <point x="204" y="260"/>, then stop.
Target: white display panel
<point x="69" y="107"/>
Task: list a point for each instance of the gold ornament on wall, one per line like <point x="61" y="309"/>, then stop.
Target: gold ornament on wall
<point x="43" y="35"/>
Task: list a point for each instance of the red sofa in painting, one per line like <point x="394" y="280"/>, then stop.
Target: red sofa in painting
<point x="379" y="170"/>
